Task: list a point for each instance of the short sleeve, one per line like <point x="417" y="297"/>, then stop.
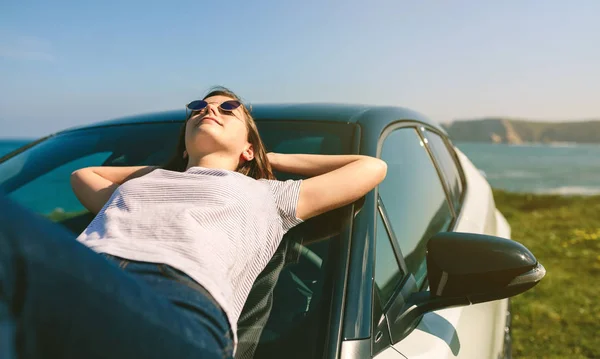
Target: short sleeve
<point x="286" y="194"/>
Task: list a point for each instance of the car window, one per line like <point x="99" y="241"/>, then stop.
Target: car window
<point x="387" y="270"/>
<point x="58" y="199"/>
<point x="413" y="197"/>
<point x="305" y="137"/>
<point x="39" y="177"/>
<point x="288" y="301"/>
<point x="448" y="166"/>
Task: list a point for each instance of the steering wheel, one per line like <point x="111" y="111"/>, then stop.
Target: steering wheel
<point x="309" y="255"/>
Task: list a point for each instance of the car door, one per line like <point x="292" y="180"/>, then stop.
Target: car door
<point x="419" y="198"/>
<point x="482" y="325"/>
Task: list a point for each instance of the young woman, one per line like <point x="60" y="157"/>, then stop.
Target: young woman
<point x="184" y="244"/>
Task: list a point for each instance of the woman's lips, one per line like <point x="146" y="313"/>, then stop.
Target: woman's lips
<point x="204" y="119"/>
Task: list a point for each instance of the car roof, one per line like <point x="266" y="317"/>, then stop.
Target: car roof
<point x="331" y="112"/>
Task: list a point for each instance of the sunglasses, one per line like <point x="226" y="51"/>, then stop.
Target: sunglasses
<point x="226" y="107"/>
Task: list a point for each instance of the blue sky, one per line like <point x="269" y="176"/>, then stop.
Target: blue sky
<point x="68" y="63"/>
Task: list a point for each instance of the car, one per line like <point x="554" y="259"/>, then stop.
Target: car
<point x="421" y="267"/>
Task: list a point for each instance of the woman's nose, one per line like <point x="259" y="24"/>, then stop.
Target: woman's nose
<point x="213" y="108"/>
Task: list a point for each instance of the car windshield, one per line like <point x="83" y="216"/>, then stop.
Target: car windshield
<point x="287" y="306"/>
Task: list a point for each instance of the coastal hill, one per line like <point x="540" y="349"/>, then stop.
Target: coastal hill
<point x="512" y="131"/>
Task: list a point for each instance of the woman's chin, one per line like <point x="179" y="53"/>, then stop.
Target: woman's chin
<point x="207" y="142"/>
<point x="207" y="130"/>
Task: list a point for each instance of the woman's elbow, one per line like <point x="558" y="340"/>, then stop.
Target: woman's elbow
<point x="75" y="179"/>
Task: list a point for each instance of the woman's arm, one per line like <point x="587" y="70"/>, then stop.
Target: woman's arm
<point x="335" y="180"/>
<point x="93" y="186"/>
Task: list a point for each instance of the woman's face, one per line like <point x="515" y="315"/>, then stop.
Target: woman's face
<point x="212" y="130"/>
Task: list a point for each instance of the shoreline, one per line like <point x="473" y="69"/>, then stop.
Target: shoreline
<point x="583" y="193"/>
<point x="563" y="191"/>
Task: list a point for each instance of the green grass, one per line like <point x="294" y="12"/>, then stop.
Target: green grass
<point x="560" y="317"/>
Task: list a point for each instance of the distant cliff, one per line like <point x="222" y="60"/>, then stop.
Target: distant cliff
<point x="500" y="130"/>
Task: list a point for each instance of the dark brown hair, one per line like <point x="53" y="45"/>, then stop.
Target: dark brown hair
<point x="257" y="168"/>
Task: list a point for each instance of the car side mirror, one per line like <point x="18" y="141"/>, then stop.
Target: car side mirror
<point x="466" y="268"/>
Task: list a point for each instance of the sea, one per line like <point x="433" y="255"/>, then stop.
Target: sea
<point x="565" y="169"/>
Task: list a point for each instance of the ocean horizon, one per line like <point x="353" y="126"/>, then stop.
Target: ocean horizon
<point x="559" y="168"/>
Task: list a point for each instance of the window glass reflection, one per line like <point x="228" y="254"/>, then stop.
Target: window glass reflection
<point x="387" y="270"/>
<point x="448" y="165"/>
<point x="413" y="197"/>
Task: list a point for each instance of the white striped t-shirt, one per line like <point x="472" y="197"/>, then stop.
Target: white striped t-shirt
<point x="219" y="227"/>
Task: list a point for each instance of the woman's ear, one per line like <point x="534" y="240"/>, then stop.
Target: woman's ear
<point x="185" y="154"/>
<point x="248" y="154"/>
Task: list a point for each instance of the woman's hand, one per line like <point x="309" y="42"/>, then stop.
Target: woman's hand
<point x="335" y="180"/>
